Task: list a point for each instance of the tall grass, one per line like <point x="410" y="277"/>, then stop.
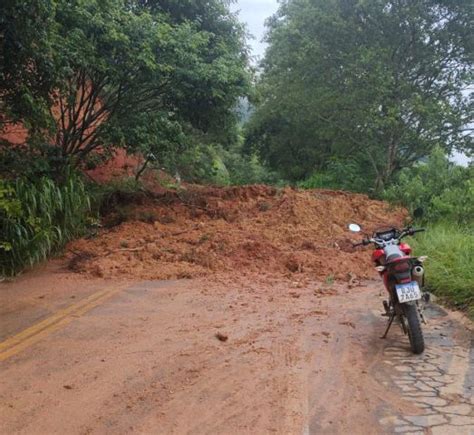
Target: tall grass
<point x="50" y="215"/>
<point x="450" y="266"/>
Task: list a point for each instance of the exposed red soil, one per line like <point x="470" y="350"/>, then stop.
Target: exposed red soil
<point x="202" y="230"/>
<point x="118" y="166"/>
<point x="16" y="134"/>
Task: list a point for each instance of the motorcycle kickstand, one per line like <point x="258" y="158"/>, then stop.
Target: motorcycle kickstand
<point x="392" y="317"/>
<point x="422" y="316"/>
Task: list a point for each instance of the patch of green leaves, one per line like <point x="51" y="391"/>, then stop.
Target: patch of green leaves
<point x="449" y="268"/>
<point x="443" y="190"/>
<point x="36" y="220"/>
<point x="358" y="81"/>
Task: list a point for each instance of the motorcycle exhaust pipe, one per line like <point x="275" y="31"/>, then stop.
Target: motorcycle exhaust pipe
<point x="418" y="273"/>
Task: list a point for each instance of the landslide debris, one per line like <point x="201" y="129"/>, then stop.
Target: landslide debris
<point x="200" y="230"/>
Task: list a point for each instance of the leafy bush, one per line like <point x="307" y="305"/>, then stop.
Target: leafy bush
<point x="218" y="165"/>
<point x="106" y="197"/>
<point x="449" y="268"/>
<point x="36" y="220"/>
<point x="343" y="175"/>
<point x="446" y="194"/>
<point x="33" y="161"/>
<point x="442" y="189"/>
<point x="247" y="169"/>
<point x="10" y="208"/>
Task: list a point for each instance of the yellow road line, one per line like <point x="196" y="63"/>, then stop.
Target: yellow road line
<point x="47" y="322"/>
<point x="37" y="332"/>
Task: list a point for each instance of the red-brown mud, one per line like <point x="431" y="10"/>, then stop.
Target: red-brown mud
<point x="200" y="231"/>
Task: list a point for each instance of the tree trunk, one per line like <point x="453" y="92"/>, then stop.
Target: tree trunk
<point x="142" y="169"/>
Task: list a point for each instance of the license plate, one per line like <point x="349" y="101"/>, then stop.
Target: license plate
<point x="408" y="292"/>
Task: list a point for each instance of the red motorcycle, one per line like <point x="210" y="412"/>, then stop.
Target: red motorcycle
<point x="403" y="277"/>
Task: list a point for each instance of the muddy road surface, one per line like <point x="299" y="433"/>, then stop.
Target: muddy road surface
<point x="223" y="356"/>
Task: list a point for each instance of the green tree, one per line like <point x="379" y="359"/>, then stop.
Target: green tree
<point x="27" y="69"/>
<point x="375" y="82"/>
<point x="127" y="73"/>
<point x="444" y="191"/>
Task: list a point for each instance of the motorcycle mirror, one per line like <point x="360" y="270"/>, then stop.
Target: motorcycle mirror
<point x="354" y="228"/>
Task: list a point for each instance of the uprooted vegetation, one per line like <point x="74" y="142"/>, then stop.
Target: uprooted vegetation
<point x="200" y="230"/>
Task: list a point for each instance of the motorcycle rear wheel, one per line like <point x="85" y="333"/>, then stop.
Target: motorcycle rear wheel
<point x="415" y="333"/>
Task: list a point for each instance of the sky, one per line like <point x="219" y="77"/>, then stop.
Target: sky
<point x="254" y="13"/>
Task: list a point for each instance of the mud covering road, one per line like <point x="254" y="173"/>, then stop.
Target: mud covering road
<point x="229" y="356"/>
<point x="203" y="231"/>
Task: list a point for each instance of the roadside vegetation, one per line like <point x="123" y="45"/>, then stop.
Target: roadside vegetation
<point x="449" y="270"/>
<point x="352" y="92"/>
<point x="445" y="193"/>
<point x="162" y="80"/>
<point x="38" y="219"/>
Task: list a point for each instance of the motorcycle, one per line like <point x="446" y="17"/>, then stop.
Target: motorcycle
<point x="403" y="277"/>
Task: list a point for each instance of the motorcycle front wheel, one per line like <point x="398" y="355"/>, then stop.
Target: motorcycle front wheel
<point x="415" y="333"/>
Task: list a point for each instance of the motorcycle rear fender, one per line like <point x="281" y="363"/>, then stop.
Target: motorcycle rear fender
<point x="399" y="270"/>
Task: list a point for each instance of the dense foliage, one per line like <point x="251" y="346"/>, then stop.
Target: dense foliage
<point x="444" y="191"/>
<point x="449" y="271"/>
<point x="150" y="76"/>
<point x="27" y="69"/>
<point x="339" y="174"/>
<point x="38" y="219"/>
<point x="446" y="194"/>
<point x="373" y="84"/>
<point x="161" y="79"/>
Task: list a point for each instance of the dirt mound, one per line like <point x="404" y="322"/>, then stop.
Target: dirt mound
<point x="202" y="230"/>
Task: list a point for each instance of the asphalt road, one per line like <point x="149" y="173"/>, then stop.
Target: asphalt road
<point x="238" y="355"/>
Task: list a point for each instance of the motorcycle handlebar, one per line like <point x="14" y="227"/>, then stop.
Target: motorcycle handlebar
<point x="411" y="232"/>
<point x="407" y="232"/>
<point x="363" y="243"/>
